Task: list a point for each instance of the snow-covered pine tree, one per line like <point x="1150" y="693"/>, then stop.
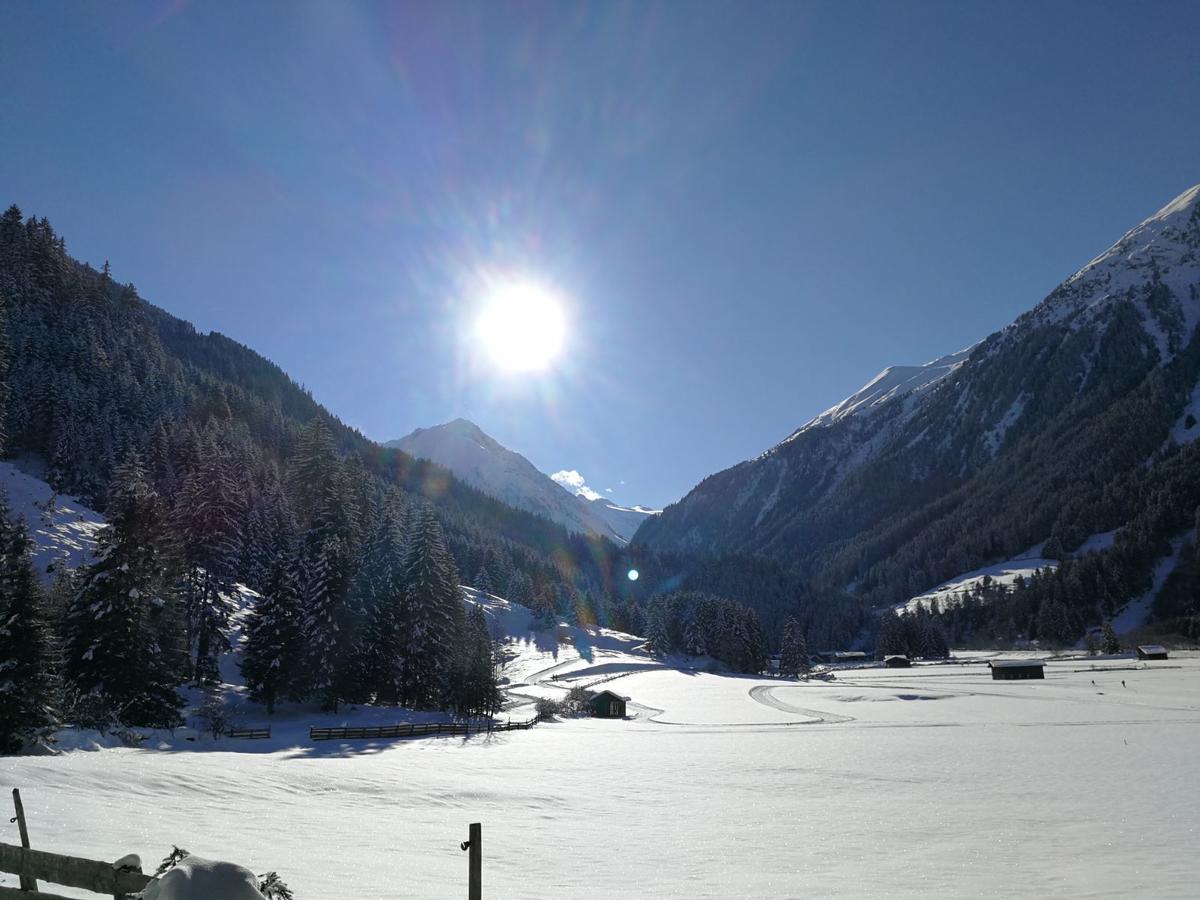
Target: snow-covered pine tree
<point x="477" y="691"/>
<point x="312" y="470"/>
<point x="933" y="641"/>
<point x="325" y="571"/>
<point x="273" y="658"/>
<point x="433" y="614"/>
<point x="123" y="629"/>
<point x="26" y="685"/>
<point x="793" y="653"/>
<point x="483" y="581"/>
<point x="694" y="642"/>
<point x="755" y="647"/>
<point x="207" y="522"/>
<point x="658" y="636"/>
<point x="1108" y="636"/>
<point x="380" y="589"/>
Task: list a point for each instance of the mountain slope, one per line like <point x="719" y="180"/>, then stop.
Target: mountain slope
<point x="483" y="462"/>
<point x="1054" y="428"/>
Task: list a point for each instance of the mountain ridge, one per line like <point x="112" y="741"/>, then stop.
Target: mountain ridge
<point x="861" y="494"/>
<point x="480" y="460"/>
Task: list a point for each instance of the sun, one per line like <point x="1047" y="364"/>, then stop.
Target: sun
<point x="522" y="327"/>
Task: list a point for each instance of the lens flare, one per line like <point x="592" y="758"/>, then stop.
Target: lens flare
<point x="633" y="575"/>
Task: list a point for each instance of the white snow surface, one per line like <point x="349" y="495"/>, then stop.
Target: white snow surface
<point x="932" y="782"/>
<point x="64" y="533"/>
<point x="1007" y="572"/>
<point x="892" y="382"/>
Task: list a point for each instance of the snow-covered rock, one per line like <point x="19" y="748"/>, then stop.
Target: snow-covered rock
<point x="195" y="878"/>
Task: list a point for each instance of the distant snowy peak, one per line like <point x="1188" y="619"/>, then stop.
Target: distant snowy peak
<point x="1163" y="252"/>
<point x="487" y="465"/>
<point x="624" y="520"/>
<point x="890" y="384"/>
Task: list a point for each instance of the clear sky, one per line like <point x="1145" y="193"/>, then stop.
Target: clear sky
<point x="749" y="208"/>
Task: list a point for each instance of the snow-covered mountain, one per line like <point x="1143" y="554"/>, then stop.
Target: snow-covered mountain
<point x="932" y="470"/>
<point x="624" y="520"/>
<point x="484" y="463"/>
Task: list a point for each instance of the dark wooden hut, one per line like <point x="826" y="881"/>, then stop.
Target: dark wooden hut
<point x="1017" y="669"/>
<point x="897" y="662"/>
<point x="607" y="705"/>
<point x="1152" y="651"/>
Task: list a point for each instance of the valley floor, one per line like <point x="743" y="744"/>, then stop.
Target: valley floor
<point x="929" y="782"/>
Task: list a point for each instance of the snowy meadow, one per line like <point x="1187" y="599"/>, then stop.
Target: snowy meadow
<point x="929" y="782"/>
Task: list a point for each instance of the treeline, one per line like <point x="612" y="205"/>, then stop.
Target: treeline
<point x="700" y="624"/>
<point x="1058" y="606"/>
<point x="342" y="617"/>
<point x="917" y="635"/>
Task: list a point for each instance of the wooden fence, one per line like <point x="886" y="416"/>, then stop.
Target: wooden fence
<point x="253" y="734"/>
<point x="428" y="729"/>
<point x="71" y="871"/>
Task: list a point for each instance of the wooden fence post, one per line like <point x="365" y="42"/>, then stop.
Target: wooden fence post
<point x="475" y="863"/>
<point x="27" y="883"/>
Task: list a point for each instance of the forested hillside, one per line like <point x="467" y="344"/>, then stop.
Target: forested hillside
<point x="1077" y="419"/>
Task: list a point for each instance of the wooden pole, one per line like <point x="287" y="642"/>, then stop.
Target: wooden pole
<point x="27" y="883"/>
<point x="475" y="863"/>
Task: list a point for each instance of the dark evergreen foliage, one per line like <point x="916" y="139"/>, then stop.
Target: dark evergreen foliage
<point x="26" y="679"/>
<point x="124" y="627"/>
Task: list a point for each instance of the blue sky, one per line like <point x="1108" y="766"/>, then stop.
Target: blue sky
<point x="750" y="208"/>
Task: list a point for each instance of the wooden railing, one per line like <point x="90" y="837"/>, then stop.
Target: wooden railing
<point x="71" y="871"/>
<point x="426" y="729"/>
<point x="253" y="734"/>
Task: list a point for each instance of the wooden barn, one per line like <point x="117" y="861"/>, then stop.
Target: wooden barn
<point x="1152" y="651"/>
<point x="1017" y="669"/>
<point x="607" y="705"/>
<point x="897" y="662"/>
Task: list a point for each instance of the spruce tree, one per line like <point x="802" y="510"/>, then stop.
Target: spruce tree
<point x="793" y="653"/>
<point x="1109" y="638"/>
<point x="123" y="628"/>
<point x="478" y="692"/>
<point x="207" y="521"/>
<point x="433" y="615"/>
<point x="25" y="679"/>
<point x="273" y="656"/>
<point x="380" y="592"/>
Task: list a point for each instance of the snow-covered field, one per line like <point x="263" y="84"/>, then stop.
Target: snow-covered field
<point x="929" y="782"/>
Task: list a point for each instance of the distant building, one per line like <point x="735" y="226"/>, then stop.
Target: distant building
<point x="1017" y="669"/>
<point x="849" y="656"/>
<point x="897" y="662"/>
<point x="607" y="705"/>
<point x="1152" y="651"/>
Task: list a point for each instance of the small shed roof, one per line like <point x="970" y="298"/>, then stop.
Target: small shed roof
<point x="896" y="656"/>
<point x="598" y="694"/>
<point x="850" y="654"/>
<point x="1152" y="648"/>
<point x="1015" y="663"/>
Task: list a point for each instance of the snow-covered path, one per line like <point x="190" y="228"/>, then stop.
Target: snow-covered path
<point x="945" y="784"/>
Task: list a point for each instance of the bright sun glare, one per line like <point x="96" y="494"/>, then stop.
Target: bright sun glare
<point x="522" y="327"/>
